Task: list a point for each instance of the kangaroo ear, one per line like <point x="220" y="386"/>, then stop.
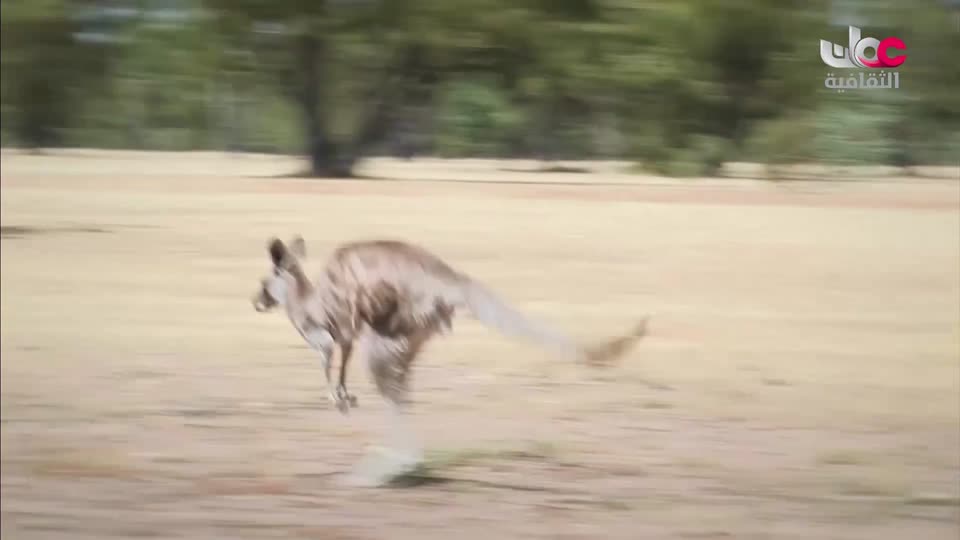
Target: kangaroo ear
<point x="277" y="251"/>
<point x="298" y="247"/>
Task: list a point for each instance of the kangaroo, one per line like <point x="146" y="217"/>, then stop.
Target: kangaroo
<point x="388" y="298"/>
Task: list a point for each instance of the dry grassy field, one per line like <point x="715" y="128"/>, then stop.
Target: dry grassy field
<point x="801" y="378"/>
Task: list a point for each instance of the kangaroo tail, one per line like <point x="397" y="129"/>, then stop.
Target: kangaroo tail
<point x="605" y="353"/>
<point x="490" y="310"/>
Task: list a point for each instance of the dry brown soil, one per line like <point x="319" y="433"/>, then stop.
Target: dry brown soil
<point x="801" y="379"/>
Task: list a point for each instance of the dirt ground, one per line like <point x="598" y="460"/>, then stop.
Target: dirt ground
<point x="801" y="379"/>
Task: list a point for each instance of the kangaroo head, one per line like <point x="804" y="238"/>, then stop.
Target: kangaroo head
<point x="287" y="281"/>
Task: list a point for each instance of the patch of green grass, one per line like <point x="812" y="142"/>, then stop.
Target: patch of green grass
<point x="654" y="404"/>
<point x="613" y="504"/>
<point x="698" y="464"/>
<point x="534" y="451"/>
<point x="89" y="464"/>
<point x="845" y="457"/>
<point x="599" y="503"/>
<point x="932" y="500"/>
<point x="873" y="487"/>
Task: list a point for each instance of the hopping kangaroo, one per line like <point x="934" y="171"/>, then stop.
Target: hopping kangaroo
<point x="387" y="299"/>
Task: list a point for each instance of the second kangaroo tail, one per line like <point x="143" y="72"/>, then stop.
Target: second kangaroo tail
<point x="493" y="312"/>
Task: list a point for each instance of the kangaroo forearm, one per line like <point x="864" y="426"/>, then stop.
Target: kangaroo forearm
<point x="345" y="350"/>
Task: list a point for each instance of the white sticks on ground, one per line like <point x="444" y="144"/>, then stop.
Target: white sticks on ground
<point x="389" y="298"/>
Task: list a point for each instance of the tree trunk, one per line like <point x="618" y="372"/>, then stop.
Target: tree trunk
<point x="328" y="158"/>
<point x="324" y="154"/>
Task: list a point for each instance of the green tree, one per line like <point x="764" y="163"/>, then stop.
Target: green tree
<point x="45" y="70"/>
<point x="351" y="67"/>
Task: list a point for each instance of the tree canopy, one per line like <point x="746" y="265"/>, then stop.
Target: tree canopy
<point x="677" y="86"/>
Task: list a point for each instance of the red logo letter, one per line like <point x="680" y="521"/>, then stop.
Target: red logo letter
<point x="887" y="43"/>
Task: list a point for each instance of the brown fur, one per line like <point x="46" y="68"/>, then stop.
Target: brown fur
<point x="392" y="297"/>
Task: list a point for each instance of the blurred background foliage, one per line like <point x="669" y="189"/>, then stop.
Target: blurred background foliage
<point x="678" y="86"/>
